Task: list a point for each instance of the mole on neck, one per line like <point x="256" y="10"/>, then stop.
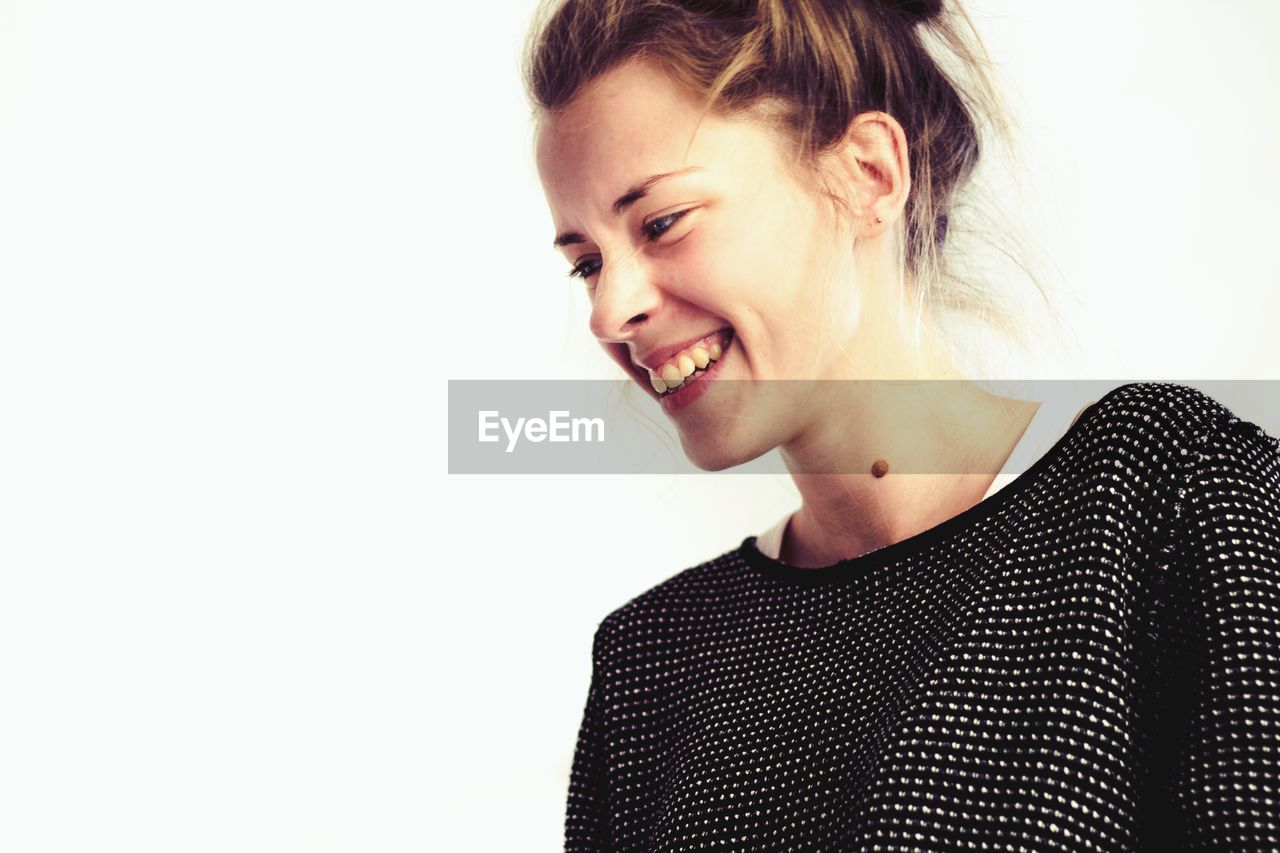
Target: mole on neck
<point x="843" y="515"/>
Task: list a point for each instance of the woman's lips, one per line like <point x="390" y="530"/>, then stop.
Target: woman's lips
<point x="678" y="365"/>
<point x="654" y="359"/>
<point x="620" y="353"/>
<point x="694" y="387"/>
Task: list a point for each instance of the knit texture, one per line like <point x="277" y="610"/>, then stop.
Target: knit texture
<point x="1089" y="659"/>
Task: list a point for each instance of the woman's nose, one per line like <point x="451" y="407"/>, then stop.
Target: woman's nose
<point x="623" y="300"/>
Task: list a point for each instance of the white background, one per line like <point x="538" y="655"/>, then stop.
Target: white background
<point x="244" y="245"/>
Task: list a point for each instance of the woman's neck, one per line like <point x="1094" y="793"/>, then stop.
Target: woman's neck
<point x="943" y="442"/>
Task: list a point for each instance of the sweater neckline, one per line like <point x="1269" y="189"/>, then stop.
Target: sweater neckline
<point x="871" y="560"/>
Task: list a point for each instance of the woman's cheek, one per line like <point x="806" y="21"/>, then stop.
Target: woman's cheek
<point x="693" y="268"/>
<point x="711" y="260"/>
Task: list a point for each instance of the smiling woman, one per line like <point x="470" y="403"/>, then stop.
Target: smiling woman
<point x="763" y="200"/>
<point x="782" y="223"/>
<point x="733" y="248"/>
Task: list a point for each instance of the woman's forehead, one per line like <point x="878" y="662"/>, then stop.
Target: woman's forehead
<point x="632" y="123"/>
<point x="627" y="112"/>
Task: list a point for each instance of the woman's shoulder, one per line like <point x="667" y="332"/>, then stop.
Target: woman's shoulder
<point x="1225" y="504"/>
<point x="1174" y="428"/>
<point x="673" y="605"/>
<point x="1231" y="480"/>
<point x="1177" y="410"/>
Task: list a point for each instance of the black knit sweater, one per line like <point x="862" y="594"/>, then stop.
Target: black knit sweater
<point x="1089" y="659"/>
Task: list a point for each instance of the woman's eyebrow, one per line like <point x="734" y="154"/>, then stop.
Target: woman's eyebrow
<point x="624" y="201"/>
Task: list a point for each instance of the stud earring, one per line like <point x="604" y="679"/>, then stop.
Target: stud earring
<point x="879" y="220"/>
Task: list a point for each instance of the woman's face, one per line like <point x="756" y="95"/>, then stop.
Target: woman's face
<point x="728" y="241"/>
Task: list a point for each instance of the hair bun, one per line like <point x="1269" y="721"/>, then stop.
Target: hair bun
<point x="918" y="11"/>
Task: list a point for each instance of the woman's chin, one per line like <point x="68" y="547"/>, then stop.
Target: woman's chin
<point x="714" y="453"/>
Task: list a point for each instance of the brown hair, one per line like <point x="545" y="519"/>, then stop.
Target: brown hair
<point x="815" y="65"/>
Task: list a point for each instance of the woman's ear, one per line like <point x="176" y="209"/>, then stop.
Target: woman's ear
<point x="872" y="166"/>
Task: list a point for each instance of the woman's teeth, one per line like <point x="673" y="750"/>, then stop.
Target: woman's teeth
<point x="688" y="364"/>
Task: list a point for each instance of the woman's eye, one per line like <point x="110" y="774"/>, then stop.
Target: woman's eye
<point x="584" y="269"/>
<point x="657" y="227"/>
<point x="653" y="229"/>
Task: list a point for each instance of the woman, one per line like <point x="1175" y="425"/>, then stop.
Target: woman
<point x="1085" y="655"/>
